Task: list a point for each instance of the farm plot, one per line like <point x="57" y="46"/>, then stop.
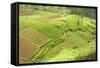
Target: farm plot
<point x="34" y="37"/>
<point x="26" y="51"/>
<point x="30" y="42"/>
<point x="48" y="30"/>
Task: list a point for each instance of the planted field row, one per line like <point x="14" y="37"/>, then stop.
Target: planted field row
<point x="41" y="54"/>
<point x="33" y="36"/>
<point x="48" y="30"/>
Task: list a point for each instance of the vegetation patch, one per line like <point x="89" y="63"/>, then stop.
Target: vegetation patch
<point x="56" y="34"/>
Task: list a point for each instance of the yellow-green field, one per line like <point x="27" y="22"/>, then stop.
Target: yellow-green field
<point x="51" y="37"/>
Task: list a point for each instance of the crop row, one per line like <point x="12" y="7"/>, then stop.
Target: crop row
<point x="33" y="36"/>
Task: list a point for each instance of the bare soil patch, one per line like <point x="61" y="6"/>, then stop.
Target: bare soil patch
<point x="25" y="49"/>
<point x="24" y="12"/>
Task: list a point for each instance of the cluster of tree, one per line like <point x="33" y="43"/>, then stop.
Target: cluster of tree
<point x="88" y="12"/>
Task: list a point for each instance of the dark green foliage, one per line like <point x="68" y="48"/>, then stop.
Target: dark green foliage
<point x="88" y="12"/>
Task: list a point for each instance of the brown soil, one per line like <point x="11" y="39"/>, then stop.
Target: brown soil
<point x="25" y="49"/>
<point x="24" y="12"/>
<point x="25" y="61"/>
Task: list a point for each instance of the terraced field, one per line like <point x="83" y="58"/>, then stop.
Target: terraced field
<point x="33" y="36"/>
<point x="31" y="40"/>
<point x="51" y="37"/>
